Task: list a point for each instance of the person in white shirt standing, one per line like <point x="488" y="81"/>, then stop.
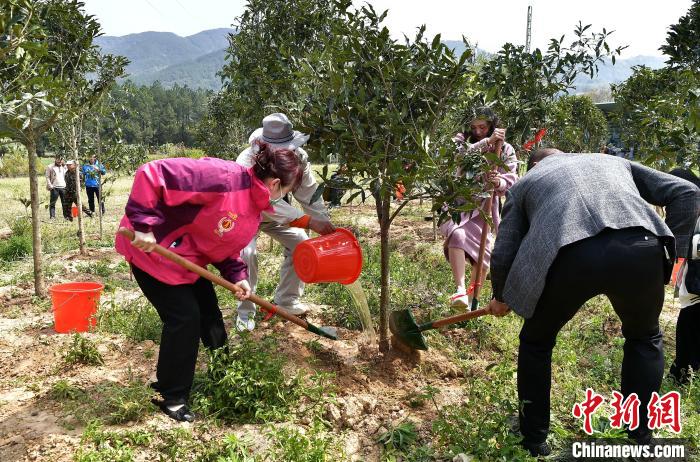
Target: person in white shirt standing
<point x="287" y="224"/>
<point x="56" y="185"/>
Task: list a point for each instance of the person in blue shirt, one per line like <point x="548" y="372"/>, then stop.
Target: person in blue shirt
<point x="92" y="173"/>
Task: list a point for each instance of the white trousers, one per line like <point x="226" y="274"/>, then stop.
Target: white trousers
<point x="290" y="287"/>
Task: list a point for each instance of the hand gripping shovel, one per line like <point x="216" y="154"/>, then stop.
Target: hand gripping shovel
<point x="328" y="332"/>
<point x="403" y="325"/>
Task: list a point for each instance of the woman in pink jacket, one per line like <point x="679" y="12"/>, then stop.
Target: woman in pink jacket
<point x="206" y="210"/>
<point x="462" y="241"/>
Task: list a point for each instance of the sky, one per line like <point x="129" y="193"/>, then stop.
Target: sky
<point x="640" y="24"/>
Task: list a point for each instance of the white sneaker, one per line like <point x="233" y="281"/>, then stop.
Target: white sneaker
<point x="460" y="300"/>
<point x="296" y="308"/>
<point x="245" y="321"/>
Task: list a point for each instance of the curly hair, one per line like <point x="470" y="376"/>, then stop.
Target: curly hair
<point x="277" y="163"/>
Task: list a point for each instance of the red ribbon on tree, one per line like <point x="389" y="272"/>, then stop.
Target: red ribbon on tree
<point x="538" y="137"/>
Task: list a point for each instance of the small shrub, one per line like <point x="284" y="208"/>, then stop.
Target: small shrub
<point x="231" y="449"/>
<point x="64" y="390"/>
<point x="314" y="446"/>
<point x="248" y="384"/>
<point x="14" y="162"/>
<point x="19" y="244"/>
<point x="83" y="351"/>
<point x="400" y="437"/>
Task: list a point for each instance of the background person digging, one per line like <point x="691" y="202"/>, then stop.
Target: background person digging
<point x="463" y="240"/>
<point x="577" y="226"/>
<point x="284" y="223"/>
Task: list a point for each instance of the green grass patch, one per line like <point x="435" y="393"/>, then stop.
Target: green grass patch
<point x="136" y="320"/>
<point x="105" y="403"/>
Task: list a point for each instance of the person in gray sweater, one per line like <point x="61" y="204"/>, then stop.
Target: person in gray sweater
<point x="576" y="226"/>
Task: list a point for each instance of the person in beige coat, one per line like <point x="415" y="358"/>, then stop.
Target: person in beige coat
<point x="286" y="224"/>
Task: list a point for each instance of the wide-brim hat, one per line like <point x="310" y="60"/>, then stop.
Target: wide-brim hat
<point x="278" y="131"/>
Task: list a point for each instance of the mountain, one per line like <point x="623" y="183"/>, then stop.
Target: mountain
<point x="607" y="72"/>
<point x="196" y="73"/>
<point x="164" y="56"/>
<point x="195" y="60"/>
<point x="621" y="71"/>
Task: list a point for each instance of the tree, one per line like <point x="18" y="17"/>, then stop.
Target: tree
<point x="220" y="132"/>
<point x="81" y="99"/>
<point x="659" y="110"/>
<point x="522" y="86"/>
<point x="377" y="103"/>
<point x="654" y="115"/>
<point x="37" y="87"/>
<point x="577" y="125"/>
<point x="682" y="44"/>
<point x="262" y="59"/>
<point x="153" y="115"/>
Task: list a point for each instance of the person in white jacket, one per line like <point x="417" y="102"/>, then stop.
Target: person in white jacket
<point x="287" y="224"/>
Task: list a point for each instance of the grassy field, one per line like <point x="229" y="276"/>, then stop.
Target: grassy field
<point x="281" y="393"/>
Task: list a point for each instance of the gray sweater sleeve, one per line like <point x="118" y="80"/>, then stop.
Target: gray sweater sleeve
<point x="680" y="197"/>
<point x="513" y="228"/>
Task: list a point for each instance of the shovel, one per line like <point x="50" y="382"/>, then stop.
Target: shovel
<point x="328" y="332"/>
<point x="404" y="326"/>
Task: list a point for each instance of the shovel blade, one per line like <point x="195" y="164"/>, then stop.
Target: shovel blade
<point x="323" y="331"/>
<point x="405" y="329"/>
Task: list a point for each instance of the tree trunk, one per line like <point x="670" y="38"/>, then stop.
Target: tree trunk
<point x="384" y="301"/>
<point x="78" y="201"/>
<point x="99" y="177"/>
<point x="39" y="288"/>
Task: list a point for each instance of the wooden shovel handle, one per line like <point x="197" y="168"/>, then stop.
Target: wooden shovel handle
<point x="457" y="318"/>
<point x="484" y="237"/>
<point x="262" y="303"/>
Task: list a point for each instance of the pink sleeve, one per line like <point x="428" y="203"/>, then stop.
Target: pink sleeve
<point x="509" y="175"/>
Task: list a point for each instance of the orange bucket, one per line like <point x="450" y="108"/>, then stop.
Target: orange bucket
<point x="335" y="257"/>
<point x="74" y="211"/>
<point x="75" y="305"/>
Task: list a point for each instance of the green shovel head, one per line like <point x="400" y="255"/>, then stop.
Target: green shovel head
<point x="405" y="329"/>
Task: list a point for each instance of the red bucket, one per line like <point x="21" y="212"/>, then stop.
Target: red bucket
<point x="75" y="305"/>
<point x="74" y="211"/>
<point x="335" y="257"/>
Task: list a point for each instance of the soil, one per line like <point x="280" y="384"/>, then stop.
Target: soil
<point x="373" y="390"/>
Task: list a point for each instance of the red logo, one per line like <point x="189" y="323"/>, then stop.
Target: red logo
<point x="226" y="224"/>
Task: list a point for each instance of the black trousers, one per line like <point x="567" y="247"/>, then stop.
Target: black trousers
<point x="54" y="194"/>
<point x="189" y="312"/>
<point x="92" y="192"/>
<point x="628" y="267"/>
<point x="687" y="343"/>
